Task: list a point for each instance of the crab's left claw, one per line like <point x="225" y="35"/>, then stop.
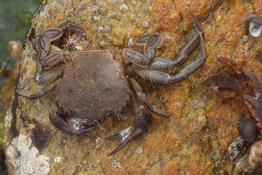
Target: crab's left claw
<point x="124" y="136"/>
<point x="138" y="128"/>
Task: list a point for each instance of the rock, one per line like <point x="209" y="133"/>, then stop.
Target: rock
<point x="25" y="158"/>
<point x="197" y="135"/>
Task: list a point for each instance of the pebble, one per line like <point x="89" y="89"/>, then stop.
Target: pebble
<point x="133" y="2"/>
<point x="104" y="29"/>
<point x="58" y="159"/>
<point x="124" y="8"/>
<point x="98" y="140"/>
<point x="130" y="42"/>
<point x="139" y="150"/>
<point x="112" y="15"/>
<point x="101" y="4"/>
<point x="102" y="44"/>
<point x="167" y="39"/>
<point x="145" y="24"/>
<point x="96" y="18"/>
<point x="245" y="38"/>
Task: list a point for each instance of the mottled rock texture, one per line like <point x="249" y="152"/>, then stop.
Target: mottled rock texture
<point x="194" y="140"/>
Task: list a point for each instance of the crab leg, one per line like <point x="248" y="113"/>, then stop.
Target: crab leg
<point x="138" y="58"/>
<point x="44" y="91"/>
<point x="53" y="34"/>
<point x="254" y="103"/>
<point x="44" y="40"/>
<point x="49" y="76"/>
<point x="163" y="64"/>
<point x="224" y="82"/>
<point x="73" y="28"/>
<point x="138" y="128"/>
<point x="141" y="121"/>
<point x="150" y="43"/>
<point x="52" y="60"/>
<point x="165" y="78"/>
<point x="43" y="46"/>
<point x="141" y="96"/>
<point x="255" y="82"/>
<point x="142" y="40"/>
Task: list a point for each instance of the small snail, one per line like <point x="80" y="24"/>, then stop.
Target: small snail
<point x="255" y="157"/>
<point x="254" y="26"/>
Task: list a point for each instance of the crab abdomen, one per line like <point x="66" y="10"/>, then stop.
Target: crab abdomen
<point x="93" y="85"/>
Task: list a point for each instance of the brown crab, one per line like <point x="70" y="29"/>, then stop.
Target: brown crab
<point x="249" y="89"/>
<point x="90" y="85"/>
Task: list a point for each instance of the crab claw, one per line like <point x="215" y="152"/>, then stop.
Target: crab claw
<point x="138" y="128"/>
<point x="72" y="125"/>
<point x="124" y="136"/>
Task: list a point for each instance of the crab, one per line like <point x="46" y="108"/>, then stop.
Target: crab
<point x="249" y="89"/>
<point x="89" y="85"/>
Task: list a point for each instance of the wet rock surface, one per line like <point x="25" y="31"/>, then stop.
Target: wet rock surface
<point x="197" y="136"/>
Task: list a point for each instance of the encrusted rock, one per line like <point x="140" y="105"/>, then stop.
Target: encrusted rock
<point x="193" y="140"/>
<point x="25" y="159"/>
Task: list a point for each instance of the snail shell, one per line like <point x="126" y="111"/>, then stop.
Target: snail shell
<point x="255" y="157"/>
<point x="248" y="130"/>
<point x="254" y="26"/>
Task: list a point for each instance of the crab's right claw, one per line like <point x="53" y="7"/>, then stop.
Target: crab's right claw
<point x="71" y="126"/>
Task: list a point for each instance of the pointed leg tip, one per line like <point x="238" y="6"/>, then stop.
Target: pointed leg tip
<point x="111" y="153"/>
<point x="120" y="146"/>
<point x="166" y="114"/>
<point x="196" y="21"/>
<point x="124" y="137"/>
<point x="111" y="137"/>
